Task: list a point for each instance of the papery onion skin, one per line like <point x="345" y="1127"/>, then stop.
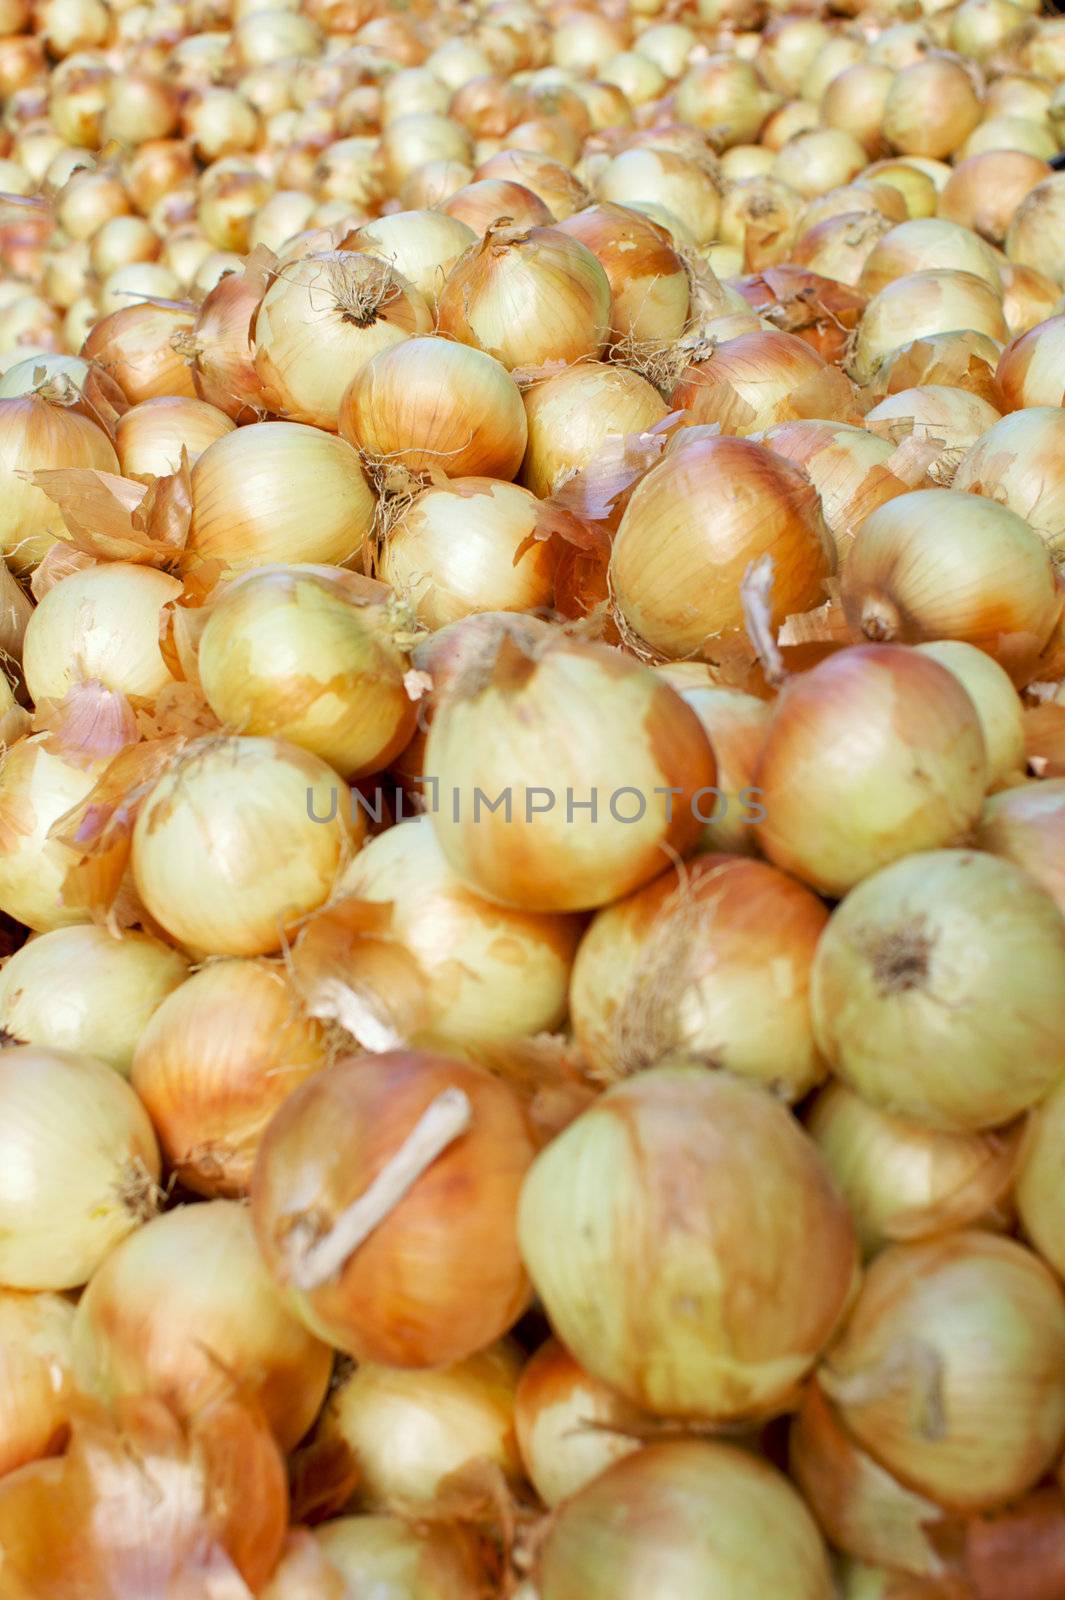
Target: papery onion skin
<point x="214" y="1062"/>
<point x="691" y="530"/>
<point x="483" y="202"/>
<point x="435" y="1561"/>
<point x="36" y="790"/>
<point x="926" y="243"/>
<point x="35" y="1376"/>
<point x="422" y="245"/>
<point x="967" y="358"/>
<point x="79" y="1170"/>
<point x="939" y="300"/>
<point x="937" y="990"/>
<point x="991" y="1318"/>
<point x="150" y="436"/>
<point x="185" y="1307"/>
<point x="746" y="384"/>
<point x="100" y="624"/>
<point x="715" y="966"/>
<point x="36" y="436"/>
<point x="649" y="286"/>
<point x="1026" y="825"/>
<point x="953" y="418"/>
<point x="848" y="466"/>
<point x="736" y="726"/>
<point x="222" y="369"/>
<point x="565" y="705"/>
<point x="715" y="1177"/>
<point x="564" y="1421"/>
<point x="441" y="1276"/>
<point x="1020" y="463"/>
<point x="238" y="839"/>
<point x="571" y="415"/>
<point x="909" y="774"/>
<point x="699" y="1516"/>
<point x="82" y="989"/>
<point x="135" y="347"/>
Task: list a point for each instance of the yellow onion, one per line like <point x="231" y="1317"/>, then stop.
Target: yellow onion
<point x="279" y="219"/>
<point x="583" y="42"/>
<point x="689" y="189"/>
<point x="36" y="790"/>
<point x="85" y="990"/>
<point x="788" y="47"/>
<point x="761" y="217"/>
<point x="867" y="196"/>
<point x="1017" y="463"/>
<point x="962" y="358"/>
<point x="306" y="655"/>
<point x="214" y="1062"/>
<point x="936" y="990"/>
<point x="421" y="246"/>
<point x="37" y="435"/>
<point x="400" y="1435"/>
<point x="156" y="167"/>
<point x="1030" y="369"/>
<point x="570" y="1426"/>
<point x="702" y="1516"/>
<point x="279" y="491"/>
<point x="848" y="466"/>
<point x="409" y="141"/>
<point x="937" y="414"/>
<point x="853" y="100"/>
<point x="984" y="191"/>
<point x="1019" y="93"/>
<point x="936" y="564"/>
<point x="80" y="1165"/>
<point x="267" y="827"/>
<point x="384" y="1199"/>
<point x="932" y="106"/>
<point x="430" y="403"/>
<point x="980" y="28"/>
<point x="561" y="192"/>
<point x="997" y="703"/>
<point x="1034" y="234"/>
<point x="819" y="159"/>
<point x="1025" y="825"/>
<point x="640" y="80"/>
<point x="695" y="524"/>
<point x="649" y="285"/>
<point x="230" y="194"/>
<point x="1028" y="297"/>
<point x="150" y="437"/>
<point x="136" y="347"/>
<point x="736" y="725"/>
<point x="184" y="1310"/>
<point x="748" y="383"/>
<point x="219" y="122"/>
<point x="872" y="754"/>
<point x="903" y="1181"/>
<point x="747" y="161"/>
<point x="119" y="243"/>
<point x="484" y="202"/>
<point x="726" y="98"/>
<point x="690" y="966"/>
<point x="88" y="200"/>
<point x="1011" y="133"/>
<point x="571" y="414"/>
<point x="100" y="624"/>
<point x="220" y="349"/>
<point x="543" y="801"/>
<point x="35" y="1361"/>
<point x="562" y="290"/>
<point x="924" y="244"/>
<point x="1038" y="1193"/>
<point x="920" y="303"/>
<point x="951" y="1370"/>
<point x="839" y="246"/>
<point x="719" y="1181"/>
<point x="319" y="323"/>
<point x="433" y="1560"/>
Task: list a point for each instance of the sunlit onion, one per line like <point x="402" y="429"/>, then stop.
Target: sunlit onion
<point x="484" y="202"/>
<point x="840" y="245"/>
<point x="997" y="703"/>
<point x="37" y="435"/>
<point x="854" y="101"/>
<point x="571" y="414"/>
<point x="1026" y="133"/>
<point x="932" y="107"/>
<point x="649" y="285"/>
<point x="848" y="467"/>
<point x="1030" y="370"/>
<point x="748" y="383"/>
<point x="560" y="191"/>
<point x="937" y="301"/>
<point x="35" y="1359"/>
<point x="682" y="186"/>
<point x="136" y="347"/>
<point x="924" y="244"/>
<point x="100" y="624"/>
<point x="1025" y="825"/>
<point x="1034" y="233"/>
<point x="570" y="1426"/>
<point x="984" y="191"/>
<point x="726" y="98"/>
<point x="422" y="246"/>
<point x="36" y="789"/>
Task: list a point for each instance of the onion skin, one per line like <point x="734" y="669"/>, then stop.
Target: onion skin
<point x="435" y="1561"/>
<point x="1026" y="825"/>
<point x="636" y="1167"/>
<point x="848" y="467"/>
<point x="649" y="286"/>
<point x="441" y="1276"/>
<point x="100" y="624"/>
<point x="563" y="1418"/>
<point x="35" y="1376"/>
<point x="922" y="303"/>
<point x="998" y="706"/>
<point x="1019" y="463"/>
<point x="134" y="346"/>
<point x="702" y="1517"/>
<point x="747" y="383"/>
<point x="1029" y="372"/>
<point x="956" y="929"/>
<point x="984" y="191"/>
<point x="37" y="436"/>
<point x="571" y="415"/>
<point x="910" y="774"/>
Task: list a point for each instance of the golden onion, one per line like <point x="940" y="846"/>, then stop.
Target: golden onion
<point x="35" y="436"/>
<point x="570" y="1427"/>
<point x="1026" y="825"/>
<point x="997" y="703"/>
<point x="939" y="300"/>
<point x="571" y="414"/>
<point x="103" y="624"/>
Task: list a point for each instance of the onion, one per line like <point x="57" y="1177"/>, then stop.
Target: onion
<point x="150" y="437"/>
<point x="584" y="41"/>
<point x="736" y="724"/>
<point x="100" y="624"/>
<point x="80" y="1165"/>
<point x="903" y="1181"/>
<point x="956" y="929"/>
<point x="726" y="1185"/>
<point x="904" y="769"/>
<point x="649" y="285"/>
<point x="435" y="1561"/>
<point x="951" y="1370"/>
<point x="1020" y="94"/>
<point x="1030" y="369"/>
<point x="409" y="141"/>
<point x="787" y="49"/>
<point x="690" y="190"/>
<point x="279" y="491"/>
<point x="39" y="435"/>
<point x="430" y="403"/>
<point x="470" y="546"/>
<point x="35" y="1363"/>
<point x="421" y="246"/>
<point x="560" y="191"/>
<point x="120" y="242"/>
<point x="1024" y="825"/>
<point x="401" y="1435"/>
<point x="854" y="100"/>
<point x="88" y="200"/>
<point x="984" y="191"/>
<point x="422" y="1281"/>
<point x="36" y="790"/>
<point x="1038" y="1181"/>
<point x="320" y="322"/>
<point x="182" y="1308"/>
<point x="921" y="303"/>
<point x="486" y="105"/>
<point x="1011" y="133"/>
<point x="1018" y="463"/>
<point x="726" y="98"/>
<point x="747" y="161"/>
<point x="715" y="967"/>
<point x="815" y="161"/>
<point x="139" y="281"/>
<point x="748" y="383"/>
<point x="932" y="106"/>
<point x="761" y="217"/>
<point x="979" y="29"/>
<point x="936" y="565"/>
<point x="219" y="122"/>
<point x="937" y="414"/>
<point x="870" y="196"/>
<point x="214" y="1062"/>
<point x="840" y="245"/>
<point x="693" y="527"/>
<point x="1034" y="234"/>
<point x="848" y="466"/>
<point x="135" y="346"/>
<point x="915" y="187"/>
<point x="533" y="731"/>
<point x="1028" y="298"/>
<point x="924" y="244"/>
<point x="571" y="414"/>
<point x="997" y="705"/>
<point x="961" y="358"/>
<point x="570" y="1426"/>
<point x="221" y="351"/>
<point x="274" y="35"/>
<point x="483" y="203"/>
<point x="84" y="990"/>
<point x="279" y="219"/>
<point x="564" y="293"/>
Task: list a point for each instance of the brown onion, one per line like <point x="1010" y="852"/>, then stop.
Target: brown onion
<point x="984" y="191"/>
<point x="571" y="414"/>
<point x="137" y="348"/>
<point x="570" y="1426"/>
<point x="1030" y="369"/>
<point x="848" y="466"/>
<point x="484" y="202"/>
<point x="748" y="383"/>
<point x="649" y="284"/>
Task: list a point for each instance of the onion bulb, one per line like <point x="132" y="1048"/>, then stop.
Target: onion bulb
<point x="37" y="435"/>
<point x="570" y="1426"/>
<point x="714" y="965"/>
<point x="572" y="413"/>
<point x="435" y="1561"/>
<point x="1034" y="234"/>
<point x="932" y="106"/>
<point x="304" y="654"/>
<point x="951" y="1370"/>
<point x="939" y="414"/>
<point x="921" y="303"/>
<point x="1038" y="1194"/>
<point x="421" y="246"/>
<point x="566" y="772"/>
<point x="84" y="990"/>
<point x="481" y="204"/>
<point x="1026" y="825"/>
<point x="690" y="189"/>
<point x="219" y="348"/>
<point x="719" y="1181"/>
<point x="429" y="402"/>
<point x="1019" y="463"/>
<point x="937" y="990"/>
<point x="749" y="383"/>
<point x="36" y="790"/>
<point x="1030" y="369"/>
<point x="424" y="1280"/>
<point x="695" y="524"/>
<point x="649" y="284"/>
<point x="102" y="624"/>
<point x="136" y="346"/>
<point x="926" y="243"/>
<point x="469" y="545"/>
<point x="214" y="1062"/>
<point x="35" y="1376"/>
<point x="961" y="358"/>
<point x="903" y="1181"/>
<point x="266" y="826"/>
<point x="150" y="437"/>
<point x="997" y="703"/>
<point x="562" y="193"/>
<point x="79" y="1166"/>
<point x="984" y="191"/>
<point x="184" y="1308"/>
<point x="279" y="491"/>
<point x="839" y="246"/>
<point x="819" y="159"/>
<point x="936" y="564"/>
<point x="703" y="1517"/>
<point x="848" y="466"/>
<point x="726" y="98"/>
